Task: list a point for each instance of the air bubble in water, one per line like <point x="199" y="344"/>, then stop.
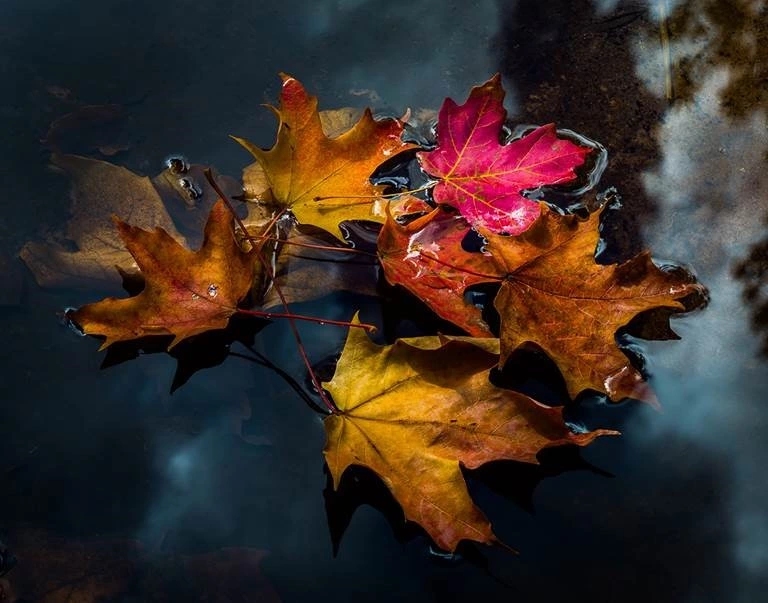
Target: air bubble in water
<point x="66" y="319"/>
<point x="191" y="187"/>
<point x="444" y="556"/>
<point x="213" y="290"/>
<point x="177" y="164"/>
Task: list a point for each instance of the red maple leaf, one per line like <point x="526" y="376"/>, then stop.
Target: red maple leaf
<point x="483" y="178"/>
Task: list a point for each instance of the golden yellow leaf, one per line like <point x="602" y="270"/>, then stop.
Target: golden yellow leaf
<point x="323" y="180"/>
<point x="416" y="411"/>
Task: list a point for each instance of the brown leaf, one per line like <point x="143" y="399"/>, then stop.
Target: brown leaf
<point x="557" y="296"/>
<point x="417" y="411"/>
<point x="185" y="293"/>
<point x="99" y="190"/>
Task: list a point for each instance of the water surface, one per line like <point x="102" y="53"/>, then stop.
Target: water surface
<point x="675" y="90"/>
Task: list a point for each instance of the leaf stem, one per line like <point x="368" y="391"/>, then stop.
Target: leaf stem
<point x="322" y="321"/>
<point x="324" y="247"/>
<point x="271" y="275"/>
<point x="266" y="362"/>
<point x="387" y="196"/>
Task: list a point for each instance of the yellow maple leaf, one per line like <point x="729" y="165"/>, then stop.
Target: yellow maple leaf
<point x="416" y="411"/>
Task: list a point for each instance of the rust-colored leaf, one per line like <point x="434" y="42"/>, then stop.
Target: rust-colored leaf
<point x="324" y="180"/>
<point x="416" y="411"/>
<point x="426" y="257"/>
<point x="186" y="292"/>
<point x="553" y="293"/>
<point x="557" y="296"/>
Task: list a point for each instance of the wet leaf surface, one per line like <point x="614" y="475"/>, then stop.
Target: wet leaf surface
<point x="417" y="411"/>
<point x="557" y="296"/>
<point x="553" y="292"/>
<point x="483" y="178"/>
<point x="325" y="181"/>
<point x="427" y="258"/>
<point x="185" y="292"/>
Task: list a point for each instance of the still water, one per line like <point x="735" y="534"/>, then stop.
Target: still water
<point x="106" y="464"/>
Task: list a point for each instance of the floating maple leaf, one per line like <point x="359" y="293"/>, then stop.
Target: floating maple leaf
<point x="483" y="178"/>
<point x="553" y="292"/>
<point x="423" y="255"/>
<point x="416" y="411"/>
<point x="557" y="296"/>
<point x="324" y="180"/>
<point x="185" y="293"/>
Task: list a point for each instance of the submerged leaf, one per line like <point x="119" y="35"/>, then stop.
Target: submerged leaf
<point x="323" y="180"/>
<point x="484" y="178"/>
<point x="57" y="570"/>
<point x="185" y="293"/>
<point x="305" y="272"/>
<point x="417" y="411"/>
<point x="99" y="190"/>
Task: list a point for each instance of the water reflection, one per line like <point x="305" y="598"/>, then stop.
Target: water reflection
<point x="711" y="190"/>
<point x="713" y="35"/>
<point x="577" y="68"/>
<point x="753" y="272"/>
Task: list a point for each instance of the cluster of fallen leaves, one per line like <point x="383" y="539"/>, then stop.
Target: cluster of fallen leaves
<point x="420" y="409"/>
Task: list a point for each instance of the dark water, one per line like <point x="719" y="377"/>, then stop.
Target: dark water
<point x="673" y="511"/>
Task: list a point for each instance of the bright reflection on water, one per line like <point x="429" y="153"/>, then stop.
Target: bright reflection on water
<point x="233" y="457"/>
<point x="711" y="189"/>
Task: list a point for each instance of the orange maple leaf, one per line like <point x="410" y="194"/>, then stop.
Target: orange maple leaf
<point x="324" y="180"/>
<point x="557" y="296"/>
<point x="186" y="292"/>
